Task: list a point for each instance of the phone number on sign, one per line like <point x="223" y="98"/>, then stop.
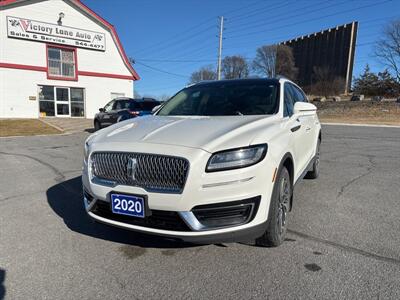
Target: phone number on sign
<point x="84" y="44"/>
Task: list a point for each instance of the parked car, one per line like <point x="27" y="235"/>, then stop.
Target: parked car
<point x="319" y="99"/>
<point x="121" y="109"/>
<point x="216" y="163"/>
<point x="355" y="98"/>
<point x="398" y="100"/>
<point x="377" y="98"/>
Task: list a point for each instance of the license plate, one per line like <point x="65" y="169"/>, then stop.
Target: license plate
<point x="127" y="205"/>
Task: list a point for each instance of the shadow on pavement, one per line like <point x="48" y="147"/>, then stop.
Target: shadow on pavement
<point x="65" y="199"/>
<point x="89" y="130"/>
<point x="2" y="288"/>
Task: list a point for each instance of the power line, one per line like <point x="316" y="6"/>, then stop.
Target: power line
<point x="241" y="8"/>
<point x="289" y="37"/>
<point x="160" y="70"/>
<point x="295" y="15"/>
<point x="182" y="40"/>
<point x="176" y="60"/>
<point x="286" y="37"/>
<point x="204" y="46"/>
<point x="310" y="20"/>
<point x="257" y="12"/>
<point x="179" y="35"/>
<point x="365" y="44"/>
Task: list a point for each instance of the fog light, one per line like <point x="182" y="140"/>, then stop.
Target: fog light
<point x="227" y="214"/>
<point x="87" y="197"/>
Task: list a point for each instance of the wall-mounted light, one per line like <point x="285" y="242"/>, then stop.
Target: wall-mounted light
<point x="61" y="15"/>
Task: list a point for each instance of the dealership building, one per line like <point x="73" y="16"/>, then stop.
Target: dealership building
<point x="58" y="58"/>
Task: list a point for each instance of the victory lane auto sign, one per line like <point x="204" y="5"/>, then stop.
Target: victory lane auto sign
<point x="51" y="33"/>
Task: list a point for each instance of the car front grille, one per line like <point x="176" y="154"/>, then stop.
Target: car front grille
<point x="158" y="173"/>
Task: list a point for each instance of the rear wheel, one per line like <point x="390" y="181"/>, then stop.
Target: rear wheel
<point x="314" y="172"/>
<point x="96" y="125"/>
<point x="278" y="210"/>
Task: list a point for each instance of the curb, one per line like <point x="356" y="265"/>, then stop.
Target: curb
<point x="52" y="125"/>
<point x="361" y="125"/>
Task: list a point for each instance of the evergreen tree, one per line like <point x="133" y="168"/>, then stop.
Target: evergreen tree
<point x="367" y="84"/>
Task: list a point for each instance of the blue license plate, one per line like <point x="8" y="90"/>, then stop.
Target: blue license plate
<point x="127" y="205"/>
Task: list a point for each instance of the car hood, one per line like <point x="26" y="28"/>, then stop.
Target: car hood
<point x="207" y="133"/>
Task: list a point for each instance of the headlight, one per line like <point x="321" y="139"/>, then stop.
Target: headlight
<point x="236" y="158"/>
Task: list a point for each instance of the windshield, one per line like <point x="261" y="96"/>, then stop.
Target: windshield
<point x="224" y="99"/>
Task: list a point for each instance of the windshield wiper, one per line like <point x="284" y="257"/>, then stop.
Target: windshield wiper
<point x="239" y="113"/>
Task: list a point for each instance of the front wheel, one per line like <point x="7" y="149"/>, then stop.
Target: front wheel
<point x="278" y="210"/>
<point x="97" y="125"/>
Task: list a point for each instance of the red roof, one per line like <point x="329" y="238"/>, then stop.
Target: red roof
<point x="101" y="20"/>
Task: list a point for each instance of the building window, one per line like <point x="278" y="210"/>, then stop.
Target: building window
<point x="57" y="101"/>
<point x="46" y="101"/>
<point x="77" y="102"/>
<point x="61" y="63"/>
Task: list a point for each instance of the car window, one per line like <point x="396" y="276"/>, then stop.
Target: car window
<point x="224" y="99"/>
<point x="289" y="100"/>
<point x="122" y="104"/>
<point x="118" y="105"/>
<point x="148" y="105"/>
<point x="109" y="106"/>
<point x="133" y="105"/>
<point x="299" y="96"/>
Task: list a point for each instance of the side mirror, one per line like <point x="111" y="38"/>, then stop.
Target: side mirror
<point x="101" y="109"/>
<point x="304" y="108"/>
<point x="155" y="108"/>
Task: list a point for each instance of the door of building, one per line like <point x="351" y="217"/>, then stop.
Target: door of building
<point x="62" y="102"/>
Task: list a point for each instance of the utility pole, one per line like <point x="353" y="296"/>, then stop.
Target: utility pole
<point x="221" y="29"/>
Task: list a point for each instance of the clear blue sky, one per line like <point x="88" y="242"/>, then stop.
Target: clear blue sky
<point x="156" y="33"/>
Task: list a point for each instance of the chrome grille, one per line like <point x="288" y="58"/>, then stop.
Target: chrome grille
<point x="152" y="172"/>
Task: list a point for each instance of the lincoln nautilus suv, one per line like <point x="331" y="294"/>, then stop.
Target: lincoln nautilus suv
<point x="215" y="163"/>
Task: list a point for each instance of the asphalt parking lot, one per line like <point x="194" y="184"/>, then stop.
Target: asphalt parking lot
<point x="343" y="243"/>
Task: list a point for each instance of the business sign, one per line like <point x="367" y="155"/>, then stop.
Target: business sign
<point x="26" y="29"/>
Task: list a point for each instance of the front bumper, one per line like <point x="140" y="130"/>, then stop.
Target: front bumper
<point x="177" y="225"/>
<point x="201" y="190"/>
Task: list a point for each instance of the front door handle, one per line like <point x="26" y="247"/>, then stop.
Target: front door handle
<point x="295" y="128"/>
<point x="308" y="128"/>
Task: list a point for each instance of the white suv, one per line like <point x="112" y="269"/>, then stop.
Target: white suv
<point x="216" y="163"/>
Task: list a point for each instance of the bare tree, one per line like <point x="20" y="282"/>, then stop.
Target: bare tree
<point x="205" y="73"/>
<point x="326" y="83"/>
<point x="387" y="49"/>
<point x="163" y="97"/>
<point x="235" y="67"/>
<point x="285" y="64"/>
<point x="265" y="60"/>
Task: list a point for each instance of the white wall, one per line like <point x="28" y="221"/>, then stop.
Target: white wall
<point x="17" y="85"/>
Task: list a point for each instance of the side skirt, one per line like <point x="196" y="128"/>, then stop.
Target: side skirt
<point x="309" y="167"/>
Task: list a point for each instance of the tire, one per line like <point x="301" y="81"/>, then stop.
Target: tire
<point x="278" y="210"/>
<point x="314" y="172"/>
<point x="97" y="125"/>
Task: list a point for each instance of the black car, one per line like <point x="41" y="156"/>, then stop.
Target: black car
<point x="120" y="109"/>
<point x="377" y="98"/>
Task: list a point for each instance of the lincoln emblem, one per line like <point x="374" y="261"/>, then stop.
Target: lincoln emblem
<point x="131" y="168"/>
